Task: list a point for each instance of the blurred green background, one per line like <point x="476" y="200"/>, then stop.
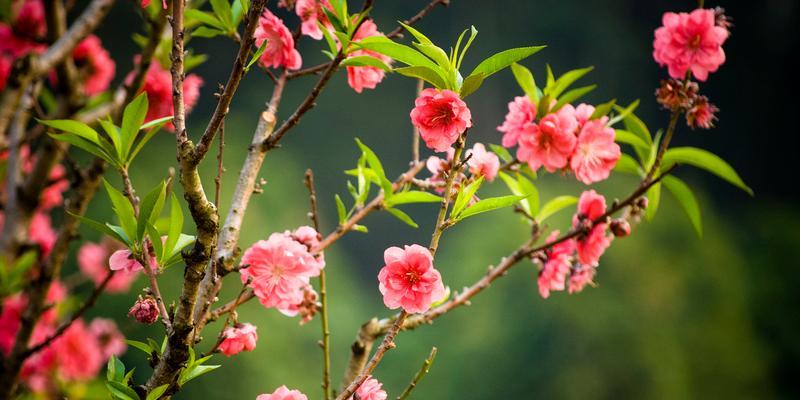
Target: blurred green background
<point x="674" y="315"/>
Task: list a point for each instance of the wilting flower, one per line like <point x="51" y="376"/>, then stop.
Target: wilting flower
<point x="675" y="95"/>
<point x="409" y="280"/>
<point x="483" y="163"/>
<point x="310" y="13"/>
<point x="370" y="389"/>
<point x="277" y="270"/>
<point x="238" y="338"/>
<point x="279" y="50"/>
<point x="366" y="77"/>
<point x="592" y="245"/>
<point x="596" y="153"/>
<point x="95" y="64"/>
<point x="556" y="266"/>
<point x="145" y="310"/>
<point x="690" y="42"/>
<point x="551" y="142"/>
<point x="441" y="116"/>
<point x="581" y="276"/>
<point x="283" y="393"/>
<point x="701" y="114"/>
<point x="521" y="113"/>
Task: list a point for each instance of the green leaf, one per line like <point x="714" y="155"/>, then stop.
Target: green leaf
<point x="150" y="209"/>
<point x="503" y="59"/>
<point x="686" y="199"/>
<point x="628" y="165"/>
<point x="365" y="61"/>
<point x="397" y="51"/>
<point x="471" y="84"/>
<point x="572" y="95"/>
<point x="206" y="18"/>
<point x="360" y="228"/>
<point x="344" y="40"/>
<point x="121" y="391"/>
<point x="490" y="204"/>
<point x="206" y="32"/>
<point x="706" y="160"/>
<point x="623" y="112"/>
<point x="464" y="196"/>
<point x="123" y="209"/>
<point x="340" y="210"/>
<point x="376" y="166"/>
<point x="501" y="152"/>
<point x="412" y="196"/>
<point x="144" y="347"/>
<point x="222" y="9"/>
<point x="156" y="393"/>
<point x="425" y="73"/>
<point x="132" y="119"/>
<point x="175" y="225"/>
<point x="527" y="189"/>
<point x="328" y="38"/>
<point x="196" y="372"/>
<point x="525" y="80"/>
<point x="102" y="228"/>
<point x="630" y="138"/>
<point x="147" y="136"/>
<point x="256" y="56"/>
<point x="435" y="53"/>
<point x="565" y="81"/>
<point x="402" y="217"/>
<point x="472" y="34"/>
<point x="555" y="205"/>
<point x="157" y="122"/>
<point x="115" y="369"/>
<point x="603" y="109"/>
<point x="340" y="8"/>
<point x="654" y="199"/>
<point x="158" y="246"/>
<point x="76" y="127"/>
<point x="113" y="133"/>
<point x="633" y="124"/>
<point x="86" y="146"/>
<point x="417" y="34"/>
<point x="514" y="186"/>
<point x="551" y="80"/>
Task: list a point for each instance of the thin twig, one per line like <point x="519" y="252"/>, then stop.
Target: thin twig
<point x="323" y="295"/>
<point x="420" y="15"/>
<point x="426" y="367"/>
<point x="220" y="164"/>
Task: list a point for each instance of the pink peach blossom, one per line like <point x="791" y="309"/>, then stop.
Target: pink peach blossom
<point x="554" y="272"/>
<point x="99" y="68"/>
<point x="307" y="236"/>
<point x="283" y="393"/>
<point x="483" y="163"/>
<point x="123" y="260"/>
<point x="441" y="116"/>
<point x="278" y="268"/>
<point x="78" y="353"/>
<point x="701" y="114"/>
<point x="40" y="232"/>
<point x="53" y="195"/>
<point x="583" y="112"/>
<point x="596" y="153"/>
<point x="238" y="338"/>
<point x="158" y="86"/>
<point x="5" y="70"/>
<point x="93" y="262"/>
<point x="521" y="113"/>
<point x="310" y="12"/>
<point x="279" y="51"/>
<point x="30" y="20"/>
<point x="360" y="78"/>
<point x="409" y="280"/>
<point x="581" y="276"/>
<point x="370" y="389"/>
<point x="15" y="46"/>
<point x="551" y="142"/>
<point x="690" y="42"/>
<point x="110" y="339"/>
<point x="594" y="243"/>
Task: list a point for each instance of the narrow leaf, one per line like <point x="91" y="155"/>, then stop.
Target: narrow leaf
<point x="706" y="160"/>
<point x="425" y="73"/>
<point x="687" y="200"/>
<point x="525" y="80"/>
<point x="503" y="59"/>
<point x="555" y="205"/>
<point x="465" y="195"/>
<point x="490" y="204"/>
<point x="412" y="196"/>
<point x="402" y="217"/>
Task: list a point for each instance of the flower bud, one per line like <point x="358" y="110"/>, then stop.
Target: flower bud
<point x="145" y="310"/>
<point x="620" y="228"/>
<point x="642" y="203"/>
<point x="309" y="307"/>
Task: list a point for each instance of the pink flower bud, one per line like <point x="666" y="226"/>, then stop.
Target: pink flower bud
<point x="620" y="228"/>
<point x="145" y="310"/>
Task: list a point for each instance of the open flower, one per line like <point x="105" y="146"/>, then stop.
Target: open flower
<point x="78" y="353"/>
<point x="596" y="153"/>
<point x="158" y="86"/>
<point x="238" y="338"/>
<point x="554" y="272"/>
<point x="110" y="339"/>
<point x="370" y="389"/>
<point x="521" y="113"/>
<point x="93" y="262"/>
<point x="690" y="42"/>
<point x="551" y="142"/>
<point x="441" y="116"/>
<point x="123" y="260"/>
<point x="366" y="77"/>
<point x="278" y="269"/>
<point x="483" y="163"/>
<point x="283" y="393"/>
<point x="310" y="13"/>
<point x="95" y="64"/>
<point x="409" y="280"/>
<point x="594" y="243"/>
<point x="581" y="276"/>
<point x="279" y="51"/>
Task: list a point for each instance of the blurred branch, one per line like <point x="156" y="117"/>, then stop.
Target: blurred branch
<point x="426" y="366"/>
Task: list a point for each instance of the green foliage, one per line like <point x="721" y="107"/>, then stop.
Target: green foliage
<point x="195" y="368"/>
<point x="521" y="186"/>
<point x="555" y="205"/>
<point x="117" y="381"/>
<point x="11" y="277"/>
<point x="705" y="160"/>
<point x="490" y="204"/>
<point x="681" y="191"/>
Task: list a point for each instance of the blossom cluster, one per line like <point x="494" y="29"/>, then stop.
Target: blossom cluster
<point x="371" y="389"/>
<point x="567" y="139"/>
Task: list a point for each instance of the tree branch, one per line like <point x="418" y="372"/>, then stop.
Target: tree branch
<point x="426" y="367"/>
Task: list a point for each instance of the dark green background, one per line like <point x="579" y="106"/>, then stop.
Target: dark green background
<point x="674" y="316"/>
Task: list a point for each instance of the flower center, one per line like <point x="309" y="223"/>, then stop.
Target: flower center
<point x="443" y="115"/>
<point x="412" y="277"/>
<point x="695" y="42"/>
